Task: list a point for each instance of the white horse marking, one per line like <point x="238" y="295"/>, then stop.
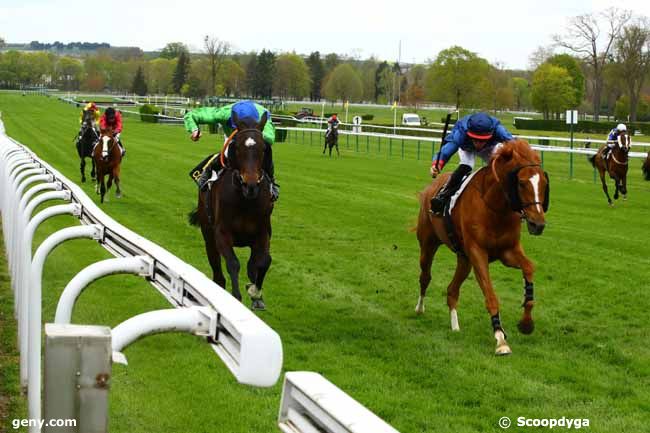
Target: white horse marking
<point x="250" y="142"/>
<point x="105" y="140"/>
<point x="535" y="181"/>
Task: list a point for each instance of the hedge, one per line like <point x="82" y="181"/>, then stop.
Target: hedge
<point x="585" y="126"/>
<point x="149" y="113"/>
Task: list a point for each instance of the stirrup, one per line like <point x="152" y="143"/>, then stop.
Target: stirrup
<point x="438" y="205"/>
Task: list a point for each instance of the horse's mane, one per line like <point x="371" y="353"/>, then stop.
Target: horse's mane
<point x="517" y="150"/>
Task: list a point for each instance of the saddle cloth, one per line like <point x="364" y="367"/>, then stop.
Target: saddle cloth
<point x="458" y="193"/>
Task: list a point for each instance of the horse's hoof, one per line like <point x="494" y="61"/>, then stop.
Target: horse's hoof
<point x="118" y="195"/>
<point x="526" y="326"/>
<point x="419" y="308"/>
<point x="503" y="350"/>
<point x="258" y="305"/>
<point x="83" y="180"/>
<point x="453" y="316"/>
<point x="253" y="291"/>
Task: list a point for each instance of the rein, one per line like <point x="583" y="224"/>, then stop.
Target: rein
<point x="511" y="191"/>
<point x="225" y="147"/>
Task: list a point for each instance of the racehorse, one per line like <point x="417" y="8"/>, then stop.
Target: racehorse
<point x="236" y="211"/>
<point x="616" y="165"/>
<point x="85" y="140"/>
<point x="646" y="168"/>
<point x="331" y="140"/>
<point x="107" y="157"/>
<point x="486" y="227"/>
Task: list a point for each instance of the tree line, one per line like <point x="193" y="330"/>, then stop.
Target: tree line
<point x="603" y="70"/>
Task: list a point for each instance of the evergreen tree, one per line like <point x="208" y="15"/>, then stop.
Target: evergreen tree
<point x="316" y="72"/>
<point x="265" y="74"/>
<point x="139" y="86"/>
<point x="251" y="76"/>
<point x="181" y="73"/>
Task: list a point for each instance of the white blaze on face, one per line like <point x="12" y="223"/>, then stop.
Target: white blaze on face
<point x="534" y="180"/>
<point x="250" y="142"/>
<point x="105" y="141"/>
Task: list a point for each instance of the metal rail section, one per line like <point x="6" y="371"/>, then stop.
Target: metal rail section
<point x="250" y="349"/>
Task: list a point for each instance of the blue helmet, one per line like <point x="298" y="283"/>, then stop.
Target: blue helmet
<point x="480" y="126"/>
<point x="244" y="110"/>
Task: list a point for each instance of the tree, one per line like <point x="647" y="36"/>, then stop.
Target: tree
<point x="521" y="92"/>
<point x="251" y="76"/>
<point x="160" y="72"/>
<point x="540" y="56"/>
<point x="583" y="37"/>
<point x="139" y="86"/>
<point x="68" y="73"/>
<point x="332" y="60"/>
<point x="181" y="73"/>
<point x="173" y="50"/>
<point x="316" y="74"/>
<point x="552" y="89"/>
<point x="216" y="51"/>
<point x="457" y="75"/>
<point x="577" y="77"/>
<point x="343" y="83"/>
<point x="265" y="72"/>
<point x="633" y="52"/>
<point x="386" y="84"/>
<point x="234" y="78"/>
<point x="291" y="76"/>
<point x="2" y="43"/>
<point x="368" y="73"/>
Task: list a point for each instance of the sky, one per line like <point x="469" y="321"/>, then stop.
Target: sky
<point x="505" y="31"/>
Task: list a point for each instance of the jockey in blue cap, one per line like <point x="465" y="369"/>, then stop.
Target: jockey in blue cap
<point x="612" y="139"/>
<point x="475" y="134"/>
<point x="223" y="116"/>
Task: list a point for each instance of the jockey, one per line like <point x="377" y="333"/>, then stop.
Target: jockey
<point x="475" y="134"/>
<point x="113" y="119"/>
<point x="92" y="107"/>
<point x="612" y="138"/>
<point x="332" y="125"/>
<point x="223" y="116"/>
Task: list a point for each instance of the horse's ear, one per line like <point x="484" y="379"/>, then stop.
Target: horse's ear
<point x="263" y="120"/>
<point x="506" y="153"/>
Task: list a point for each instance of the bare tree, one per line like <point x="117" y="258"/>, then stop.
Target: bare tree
<point x="583" y="37"/>
<point x="216" y="50"/>
<point x="539" y="56"/>
<point x="633" y="54"/>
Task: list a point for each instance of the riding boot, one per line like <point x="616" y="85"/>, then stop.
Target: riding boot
<point x="269" y="168"/>
<point x="122" y="149"/>
<point x="206" y="174"/>
<point x="446" y="192"/>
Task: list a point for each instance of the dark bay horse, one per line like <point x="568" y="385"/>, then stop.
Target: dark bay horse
<point x="615" y="166"/>
<point x="487" y="224"/>
<point x="332" y="140"/>
<point x="236" y="212"/>
<point x="107" y="157"/>
<point x="646" y="168"/>
<point x="85" y="141"/>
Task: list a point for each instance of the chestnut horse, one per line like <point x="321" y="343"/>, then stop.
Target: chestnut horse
<point x="108" y="157"/>
<point x="615" y="166"/>
<point x="646" y="168"/>
<point x="487" y="223"/>
<point x="236" y="212"/>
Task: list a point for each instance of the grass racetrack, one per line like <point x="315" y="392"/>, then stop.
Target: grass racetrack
<point x="343" y="286"/>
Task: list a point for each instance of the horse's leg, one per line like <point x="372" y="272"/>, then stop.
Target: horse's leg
<point x="601" y="172"/>
<point x="624" y="188"/>
<point x="82" y="168"/>
<point x="429" y="244"/>
<point x="617" y="183"/>
<point x="516" y="258"/>
<point x="337" y="149"/>
<point x="224" y="245"/>
<point x="261" y="262"/>
<point x="93" y="172"/>
<point x="479" y="260"/>
<point x="213" y="255"/>
<point x="102" y="187"/>
<point x="116" y="176"/>
<point x="325" y="146"/>
<point x="453" y="290"/>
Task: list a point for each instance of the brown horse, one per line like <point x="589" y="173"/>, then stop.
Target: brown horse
<point x="486" y="225"/>
<point x="646" y="168"/>
<point x="236" y="212"/>
<point x="108" y="157"/>
<point x="615" y="166"/>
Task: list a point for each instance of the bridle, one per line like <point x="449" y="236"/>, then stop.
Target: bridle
<point x="236" y="174"/>
<point x="511" y="189"/>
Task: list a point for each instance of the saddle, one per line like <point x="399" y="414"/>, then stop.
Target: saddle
<point x="196" y="172"/>
<point x="446" y="216"/>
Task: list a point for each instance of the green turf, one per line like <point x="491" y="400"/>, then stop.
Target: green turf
<point x="343" y="285"/>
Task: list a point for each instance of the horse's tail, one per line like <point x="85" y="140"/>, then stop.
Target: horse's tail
<point x="646" y="171"/>
<point x="592" y="159"/>
<point x="193" y="217"/>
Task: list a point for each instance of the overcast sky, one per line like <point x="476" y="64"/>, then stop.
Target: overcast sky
<point x="506" y="31"/>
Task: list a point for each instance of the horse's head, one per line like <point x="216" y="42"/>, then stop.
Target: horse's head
<point x="87" y="119"/>
<point x="249" y="153"/>
<point x="624" y="142"/>
<point x="646" y="168"/>
<point x="524" y="181"/>
<point x="107" y="142"/>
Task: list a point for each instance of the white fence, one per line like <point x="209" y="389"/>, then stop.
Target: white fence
<point x="249" y="348"/>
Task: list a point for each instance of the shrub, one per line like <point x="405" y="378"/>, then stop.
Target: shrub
<point x="148" y="113"/>
<point x="367" y="116"/>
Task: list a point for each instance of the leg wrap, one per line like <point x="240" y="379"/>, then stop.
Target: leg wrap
<point x="528" y="293"/>
<point x="496" y="324"/>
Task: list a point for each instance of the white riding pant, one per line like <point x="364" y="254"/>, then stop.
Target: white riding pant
<point x="468" y="158"/>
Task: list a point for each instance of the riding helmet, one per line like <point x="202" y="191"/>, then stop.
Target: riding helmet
<point x="244" y="110"/>
<point x="480" y="126"/>
<point x="621" y="127"/>
<point x="110" y="113"/>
